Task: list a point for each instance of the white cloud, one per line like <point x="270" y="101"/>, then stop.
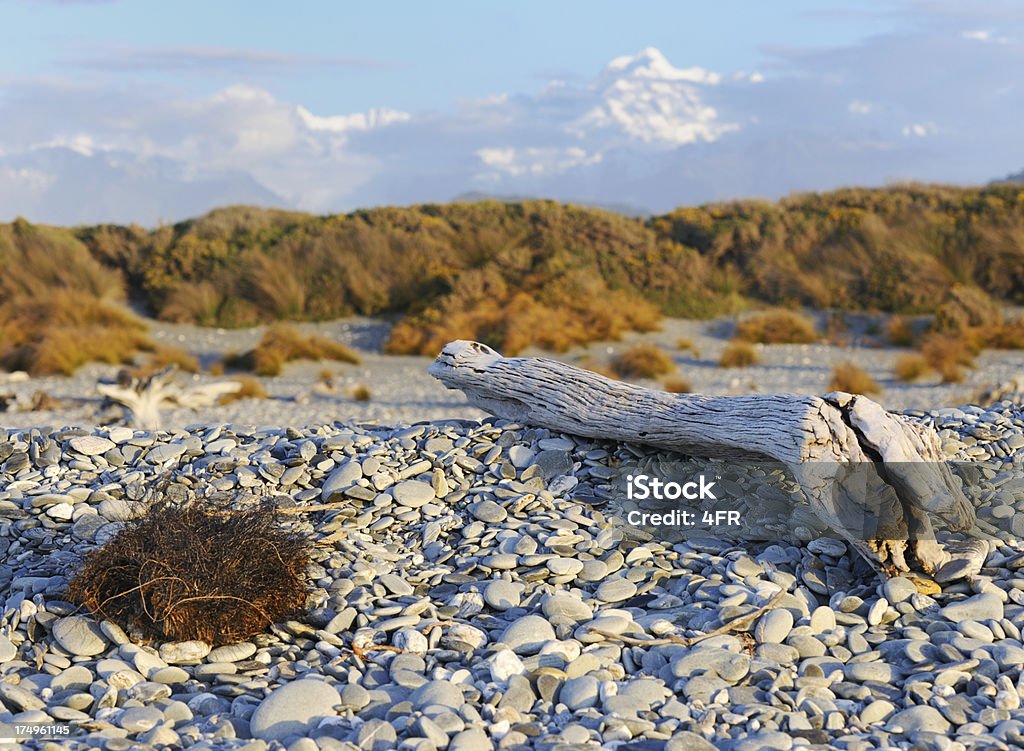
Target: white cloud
<point x="860" y="107"/>
<point x="919" y="130"/>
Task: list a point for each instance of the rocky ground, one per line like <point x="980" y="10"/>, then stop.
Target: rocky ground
<point x="402" y="392"/>
<point x="485" y="595"/>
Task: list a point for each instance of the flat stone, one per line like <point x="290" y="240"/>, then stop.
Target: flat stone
<point x="823" y="619"/>
<point x="184" y="651"/>
<point x="471" y="739"/>
<point x="528" y="634"/>
<point x="293" y="709"/>
<point x="91" y="445"/>
<point x="413" y="493"/>
<point x="488" y="511"/>
<point x="443" y="693"/>
<point x="7" y="649"/>
<point x="579" y="693"/>
<point x="502" y="595"/>
<point x="615" y="590"/>
<point x="566" y="605"/>
<point x="877" y="711"/>
<point x="396" y="585"/>
<point x="341" y="478"/>
<point x="232" y="652"/>
<point x="985" y="606"/>
<point x="773" y="627"/>
<point x="79" y="636"/>
<point x="140" y="719"/>
<point x="898" y="589"/>
<point x="917" y="719"/>
<point x="376" y="735"/>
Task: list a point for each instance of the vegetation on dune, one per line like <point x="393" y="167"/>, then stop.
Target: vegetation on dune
<point x="283" y="343"/>
<point x="542" y="274"/>
<point x="911" y="367"/>
<point x="54" y="333"/>
<point x="677" y="385"/>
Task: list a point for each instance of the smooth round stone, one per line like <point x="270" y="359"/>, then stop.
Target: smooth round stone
<point x="983" y="607"/>
<point x="564" y="566"/>
<point x="410" y="640"/>
<point x="471" y="739"/>
<point x="396" y="585"/>
<point x="520" y="456"/>
<point x="232" y="652"/>
<point x="413" y="493"/>
<point x="773" y="627"/>
<point x="355" y="696"/>
<point x="169" y="675"/>
<point x="579" y="693"/>
<point x="341" y="479"/>
<point x="184" y="651"/>
<point x="374" y="735"/>
<point x="7" y="649"/>
<point x="488" y="511"/>
<point x="74" y="678"/>
<point x="91" y="445"/>
<point x="527" y="635"/>
<point x="593" y="570"/>
<point x="442" y="693"/>
<point x="898" y="589"/>
<point x="566" y="605"/>
<point x="877" y="711"/>
<point x="917" y="719"/>
<point x="293" y="709"/>
<point x="79" y="636"/>
<point x="684" y="740"/>
<point x="615" y="590"/>
<point x="140" y="719"/>
<point x="501" y="561"/>
<point x="858" y="672"/>
<point x="502" y="595"/>
<point x="823" y="619"/>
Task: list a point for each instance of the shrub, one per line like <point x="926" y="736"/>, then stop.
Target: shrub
<point x="967" y="307"/>
<point x="361" y="393"/>
<point x="677" y="385"/>
<point x="852" y="379"/>
<point x="164" y="355"/>
<point x="911" y="367"/>
<point x="56" y="333"/>
<point x="283" y="343"/>
<point x="738" y="355"/>
<point x="642" y="361"/>
<point x="949" y="354"/>
<point x="251" y="388"/>
<point x="777" y="327"/>
<point x="183" y="573"/>
<point x="900" y="332"/>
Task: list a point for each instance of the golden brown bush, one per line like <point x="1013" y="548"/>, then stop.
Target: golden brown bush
<point x="56" y="333"/>
<point x="949" y="354"/>
<point x="965" y="308"/>
<point x="642" y="361"/>
<point x="900" y="332"/>
<point x="251" y="388"/>
<point x="738" y="354"/>
<point x="852" y="379"/>
<point x="911" y="367"/>
<point x="183" y="573"/>
<point x="283" y="343"/>
<point x="677" y="385"/>
<point x="361" y="393"/>
<point x="777" y="327"/>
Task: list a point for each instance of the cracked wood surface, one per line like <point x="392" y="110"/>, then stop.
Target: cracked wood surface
<point x="825" y="440"/>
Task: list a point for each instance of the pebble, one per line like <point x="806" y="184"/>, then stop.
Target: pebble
<point x="615" y="590"/>
<point x="79" y="636"/>
<point x="293" y="709"/>
<point x="773" y="627"/>
<point x="413" y="493"/>
<point x="503" y="595"/>
<point x="527" y="635"/>
<point x="980" y="607"/>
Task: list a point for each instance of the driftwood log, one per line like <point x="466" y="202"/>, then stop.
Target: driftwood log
<point x="824" y="440"/>
<point x="143" y="398"/>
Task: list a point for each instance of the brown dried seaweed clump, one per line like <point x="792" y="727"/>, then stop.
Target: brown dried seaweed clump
<point x="193" y="572"/>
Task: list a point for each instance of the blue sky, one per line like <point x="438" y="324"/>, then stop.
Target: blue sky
<point x="150" y="111"/>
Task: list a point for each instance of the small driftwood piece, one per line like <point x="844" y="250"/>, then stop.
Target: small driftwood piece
<point x="830" y="443"/>
<point x="143" y="398"/>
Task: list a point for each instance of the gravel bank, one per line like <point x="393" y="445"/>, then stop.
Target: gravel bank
<point x="519" y="618"/>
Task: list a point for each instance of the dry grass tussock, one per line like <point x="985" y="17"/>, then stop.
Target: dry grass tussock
<point x="739" y="354"/>
<point x="777" y="327"/>
<point x="911" y="367"/>
<point x="642" y="361"/>
<point x="899" y="332"/>
<point x="677" y="385"/>
<point x="251" y="388"/>
<point x="361" y="393"/>
<point x="284" y="343"/>
<point x="852" y="379"/>
<point x="57" y="332"/>
<point x="194" y="572"/>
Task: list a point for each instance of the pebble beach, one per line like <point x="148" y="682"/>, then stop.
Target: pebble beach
<point x="479" y="594"/>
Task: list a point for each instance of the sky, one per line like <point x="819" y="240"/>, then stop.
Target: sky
<point x="151" y="112"/>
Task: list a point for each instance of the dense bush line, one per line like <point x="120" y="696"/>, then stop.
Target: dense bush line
<point x="536" y="273"/>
